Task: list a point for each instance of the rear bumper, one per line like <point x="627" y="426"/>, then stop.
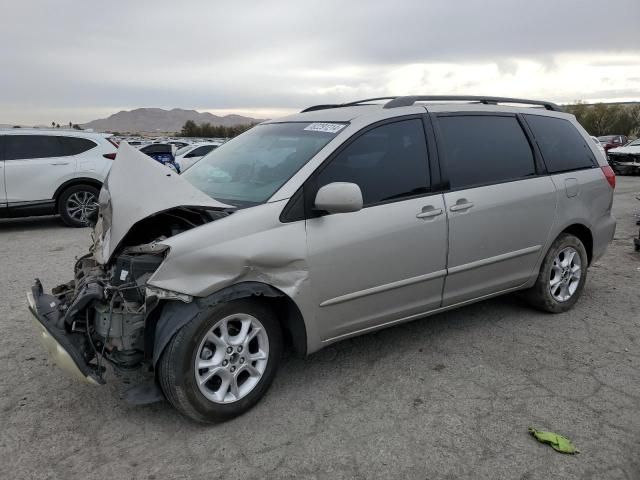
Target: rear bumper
<point x="603" y="233"/>
<point x="64" y="349"/>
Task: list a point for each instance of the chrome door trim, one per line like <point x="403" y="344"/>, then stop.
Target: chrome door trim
<point x="420" y="315"/>
<point x="495" y="259"/>
<point x="383" y="288"/>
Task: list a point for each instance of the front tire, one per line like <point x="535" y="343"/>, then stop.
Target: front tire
<point x="562" y="276"/>
<point x="222" y="362"/>
<point x="77" y="203"/>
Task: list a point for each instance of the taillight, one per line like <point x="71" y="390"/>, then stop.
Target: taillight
<point x="610" y="175"/>
<point x="113" y="142"/>
<point x="110" y="156"/>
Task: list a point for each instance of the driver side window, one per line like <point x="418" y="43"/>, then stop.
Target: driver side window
<point x="388" y="163"/>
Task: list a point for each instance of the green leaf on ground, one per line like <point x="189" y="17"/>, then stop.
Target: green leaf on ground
<point x="557" y="442"/>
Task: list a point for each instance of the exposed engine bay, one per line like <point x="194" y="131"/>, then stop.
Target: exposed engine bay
<point x="103" y="311"/>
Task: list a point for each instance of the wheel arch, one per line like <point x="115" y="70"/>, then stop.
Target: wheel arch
<point x="584" y="234"/>
<point x="72" y="183"/>
<point x="171" y="315"/>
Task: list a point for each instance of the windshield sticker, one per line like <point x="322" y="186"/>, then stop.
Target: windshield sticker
<point x="325" y="127"/>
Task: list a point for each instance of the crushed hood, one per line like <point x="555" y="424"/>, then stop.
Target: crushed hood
<point x="138" y="187"/>
<point x="628" y="150"/>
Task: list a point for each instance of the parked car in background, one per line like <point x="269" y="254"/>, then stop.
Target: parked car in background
<point x="626" y="160"/>
<point x="162" y="153"/>
<point x="53" y="171"/>
<point x="321" y="226"/>
<point x="178" y="143"/>
<point x="187" y="156"/>
<point x="612" y="141"/>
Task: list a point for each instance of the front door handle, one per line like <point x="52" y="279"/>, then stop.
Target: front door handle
<point x="59" y="163"/>
<point x="429" y="212"/>
<point x="461" y="205"/>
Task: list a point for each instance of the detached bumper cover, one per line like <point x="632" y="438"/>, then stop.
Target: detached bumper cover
<point x="65" y="349"/>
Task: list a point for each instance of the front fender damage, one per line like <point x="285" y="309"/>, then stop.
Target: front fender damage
<point x="126" y="303"/>
<point x="176" y="315"/>
<point x="249" y="253"/>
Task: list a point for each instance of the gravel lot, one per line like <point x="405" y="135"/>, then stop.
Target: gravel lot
<point x="450" y="396"/>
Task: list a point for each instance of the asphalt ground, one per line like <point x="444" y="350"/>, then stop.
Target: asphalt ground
<point x="450" y="396"/>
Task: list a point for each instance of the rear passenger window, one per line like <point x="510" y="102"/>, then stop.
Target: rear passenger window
<point x="562" y="147"/>
<point x="75" y="146"/>
<point x="19" y="147"/>
<point x="388" y="162"/>
<point x="483" y="149"/>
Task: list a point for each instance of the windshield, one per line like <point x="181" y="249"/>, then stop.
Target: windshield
<point x="253" y="166"/>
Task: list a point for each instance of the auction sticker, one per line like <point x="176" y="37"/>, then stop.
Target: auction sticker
<point x="325" y="127"/>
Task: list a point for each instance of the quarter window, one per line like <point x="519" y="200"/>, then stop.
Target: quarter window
<point x="483" y="149"/>
<point x="75" y="145"/>
<point x="388" y="162"/>
<point x="562" y="147"/>
<point x="19" y="147"/>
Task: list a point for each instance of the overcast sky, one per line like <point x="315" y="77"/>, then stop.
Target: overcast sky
<point x="72" y="60"/>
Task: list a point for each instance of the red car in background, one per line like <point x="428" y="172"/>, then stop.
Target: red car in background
<point x="612" y="141"/>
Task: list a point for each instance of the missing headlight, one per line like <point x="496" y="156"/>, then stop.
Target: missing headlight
<point x="168" y="294"/>
<point x="134" y="270"/>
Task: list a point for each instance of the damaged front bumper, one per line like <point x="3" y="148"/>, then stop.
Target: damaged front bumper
<point x="98" y="316"/>
<point x="66" y="350"/>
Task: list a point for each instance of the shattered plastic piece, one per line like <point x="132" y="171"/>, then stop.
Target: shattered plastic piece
<point x="558" y="442"/>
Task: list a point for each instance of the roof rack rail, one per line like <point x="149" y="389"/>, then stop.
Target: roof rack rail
<point x="409" y="100"/>
<point x="313" y="108"/>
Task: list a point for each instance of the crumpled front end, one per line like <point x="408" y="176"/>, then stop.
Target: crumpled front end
<point x="101" y="315"/>
<point x="158" y="249"/>
<point x="98" y="316"/>
<point x="136" y="189"/>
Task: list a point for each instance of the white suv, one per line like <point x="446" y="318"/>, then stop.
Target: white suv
<point x="53" y="171"/>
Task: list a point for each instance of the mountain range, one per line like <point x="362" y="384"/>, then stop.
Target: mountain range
<point x="158" y="120"/>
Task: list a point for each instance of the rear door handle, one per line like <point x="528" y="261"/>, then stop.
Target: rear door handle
<point x="429" y="212"/>
<point x="60" y="163"/>
<point x="461" y="206"/>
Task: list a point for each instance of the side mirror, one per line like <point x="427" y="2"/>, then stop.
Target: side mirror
<point x="339" y="197"/>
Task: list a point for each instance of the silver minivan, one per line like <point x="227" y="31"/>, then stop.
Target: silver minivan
<point x="320" y="226"/>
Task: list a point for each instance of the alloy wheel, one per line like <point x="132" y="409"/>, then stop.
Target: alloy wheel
<point x="566" y="272"/>
<point x="232" y="358"/>
<point x="80" y="205"/>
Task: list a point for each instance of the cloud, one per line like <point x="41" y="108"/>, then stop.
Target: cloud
<point x="82" y="59"/>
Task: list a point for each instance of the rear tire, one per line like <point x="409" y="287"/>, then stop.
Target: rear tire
<point x="77" y="203"/>
<point x="562" y="276"/>
<point x="222" y="362"/>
